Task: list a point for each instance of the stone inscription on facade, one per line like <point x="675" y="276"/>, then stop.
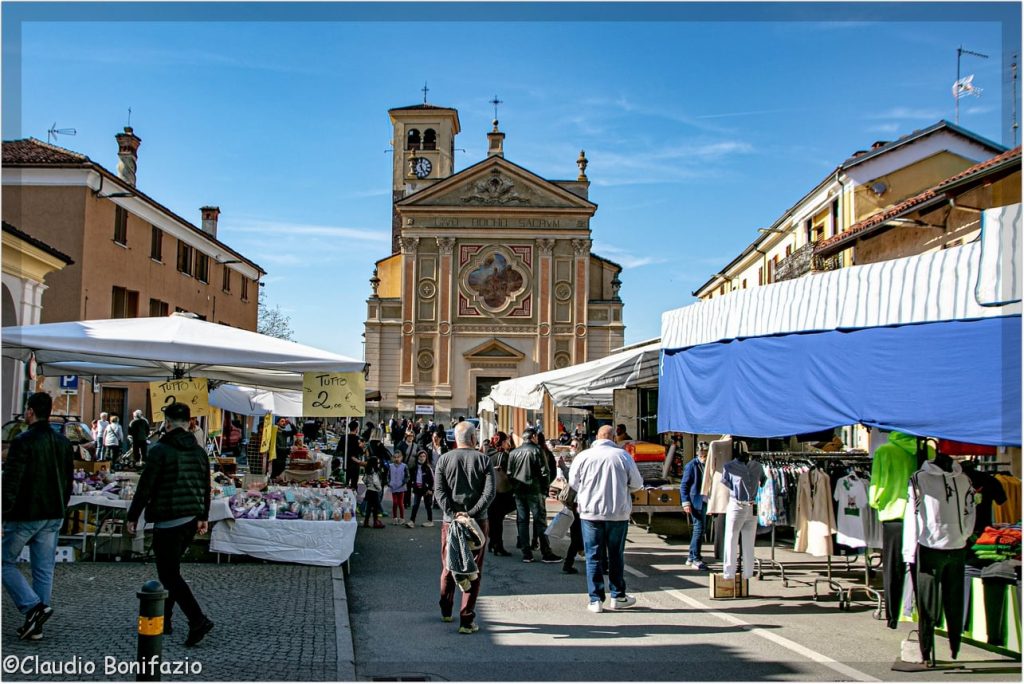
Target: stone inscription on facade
<point x="459" y="222"/>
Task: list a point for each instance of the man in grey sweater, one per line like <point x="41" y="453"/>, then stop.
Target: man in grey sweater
<point x="463" y="486"/>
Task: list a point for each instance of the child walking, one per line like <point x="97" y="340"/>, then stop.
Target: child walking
<point x="371" y="478"/>
<point x="422" y="482"/>
<point x="398" y="479"/>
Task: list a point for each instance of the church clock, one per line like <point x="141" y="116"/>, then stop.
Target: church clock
<point x="421" y="166"/>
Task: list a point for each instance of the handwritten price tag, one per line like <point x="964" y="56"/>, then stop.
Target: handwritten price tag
<point x="333" y="394"/>
<point x="195" y="393"/>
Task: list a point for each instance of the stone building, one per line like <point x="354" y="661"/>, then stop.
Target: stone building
<point x="490" y="277"/>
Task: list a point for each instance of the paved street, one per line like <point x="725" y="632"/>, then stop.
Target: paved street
<point x="277" y="622"/>
<point x="534" y="625"/>
<point x="274" y="622"/>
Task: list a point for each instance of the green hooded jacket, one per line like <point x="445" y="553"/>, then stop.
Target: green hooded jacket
<point x="892" y="465"/>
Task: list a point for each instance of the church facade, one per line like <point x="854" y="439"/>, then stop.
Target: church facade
<point x="490" y="277"/>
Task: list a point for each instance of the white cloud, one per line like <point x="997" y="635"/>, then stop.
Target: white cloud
<point x="750" y="113"/>
<point x="884" y="128"/>
<point x="623" y="257"/>
<point x="981" y="109"/>
<point x="280" y="228"/>
<point x="908" y="113"/>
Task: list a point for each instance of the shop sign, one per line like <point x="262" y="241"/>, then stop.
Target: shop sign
<point x="194" y="392"/>
<point x="333" y="394"/>
<point x="424" y="409"/>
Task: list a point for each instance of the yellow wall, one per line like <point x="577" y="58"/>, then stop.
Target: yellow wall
<point x="390" y="273"/>
<point x="907" y="182"/>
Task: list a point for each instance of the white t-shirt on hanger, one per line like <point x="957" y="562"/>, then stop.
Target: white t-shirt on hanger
<point x="852" y="498"/>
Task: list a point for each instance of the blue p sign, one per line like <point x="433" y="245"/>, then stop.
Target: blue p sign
<point x="69" y="382"/>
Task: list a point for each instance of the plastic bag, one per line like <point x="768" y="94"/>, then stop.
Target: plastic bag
<point x="560" y="524"/>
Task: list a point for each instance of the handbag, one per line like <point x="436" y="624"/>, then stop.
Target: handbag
<point x="567" y="496"/>
<point x="560" y="524"/>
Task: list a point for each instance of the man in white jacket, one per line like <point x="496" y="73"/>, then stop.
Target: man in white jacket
<point x="603" y="477"/>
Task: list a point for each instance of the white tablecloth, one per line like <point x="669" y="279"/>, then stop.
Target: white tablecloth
<point x="220" y="509"/>
<point x="308" y="542"/>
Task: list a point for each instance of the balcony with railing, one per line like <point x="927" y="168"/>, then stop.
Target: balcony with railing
<point x="803" y="261"/>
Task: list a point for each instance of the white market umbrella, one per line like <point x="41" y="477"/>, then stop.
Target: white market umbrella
<point x="140" y="349"/>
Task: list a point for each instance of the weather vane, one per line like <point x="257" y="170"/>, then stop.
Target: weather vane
<point x="129" y="117"/>
<point x="496" y="102"/>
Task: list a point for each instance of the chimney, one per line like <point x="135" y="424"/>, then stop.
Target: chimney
<point x="495" y="142"/>
<point x="128" y="152"/>
<point x="210" y="215"/>
<point x="879" y="143"/>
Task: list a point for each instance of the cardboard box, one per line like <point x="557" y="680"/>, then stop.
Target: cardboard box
<point x="721" y="588"/>
<point x="639" y="497"/>
<point x="92" y="466"/>
<point x="664" y="496"/>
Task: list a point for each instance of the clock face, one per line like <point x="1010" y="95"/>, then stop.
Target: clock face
<point x="421" y="167"/>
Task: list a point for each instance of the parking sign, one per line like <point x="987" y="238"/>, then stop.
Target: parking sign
<point x="69" y="383"/>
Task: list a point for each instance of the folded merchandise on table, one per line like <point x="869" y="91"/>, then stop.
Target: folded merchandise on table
<point x="295" y="503"/>
<point x="999" y="543"/>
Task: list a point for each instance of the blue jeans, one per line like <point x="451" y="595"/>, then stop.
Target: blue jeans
<point x="698" y="533"/>
<point x="41" y="538"/>
<point x="605" y="539"/>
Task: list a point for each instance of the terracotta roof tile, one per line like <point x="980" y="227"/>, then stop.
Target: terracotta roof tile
<point x="32" y="152"/>
<point x="911" y="202"/>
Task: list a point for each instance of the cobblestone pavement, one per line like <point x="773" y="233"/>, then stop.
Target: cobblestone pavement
<point x="274" y="622"/>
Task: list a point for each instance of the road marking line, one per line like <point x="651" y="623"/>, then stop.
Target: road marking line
<point x="633" y="571"/>
<point x="793" y="646"/>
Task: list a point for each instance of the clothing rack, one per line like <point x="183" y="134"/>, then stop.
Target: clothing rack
<point x="844" y="593"/>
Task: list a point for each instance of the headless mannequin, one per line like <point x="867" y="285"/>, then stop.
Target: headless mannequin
<point x="719" y="453"/>
<point x="741" y="477"/>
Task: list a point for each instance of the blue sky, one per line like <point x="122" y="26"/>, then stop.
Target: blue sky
<point x="698" y="130"/>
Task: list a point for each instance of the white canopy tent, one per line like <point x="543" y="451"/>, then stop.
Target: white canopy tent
<point x="146" y="349"/>
<point x="252" y="401"/>
<point x="585" y="384"/>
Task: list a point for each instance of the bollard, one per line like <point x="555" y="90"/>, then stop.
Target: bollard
<point x="151" y="631"/>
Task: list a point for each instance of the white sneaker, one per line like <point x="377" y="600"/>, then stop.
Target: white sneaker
<point x="689" y="562"/>
<point x="621" y="602"/>
<point x="595" y="607"/>
<point x="410" y="524"/>
<point x="428" y="524"/>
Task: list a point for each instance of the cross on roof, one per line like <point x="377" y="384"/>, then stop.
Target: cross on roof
<point x="425" y="89"/>
<point x="496" y="102"/>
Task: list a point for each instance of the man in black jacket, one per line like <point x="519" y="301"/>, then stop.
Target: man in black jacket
<point x="36" y="488"/>
<point x="138" y="431"/>
<point x="528" y="471"/>
<point x="174" y="490"/>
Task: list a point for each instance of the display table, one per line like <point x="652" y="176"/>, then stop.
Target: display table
<point x="220" y="509"/>
<point x="651" y="510"/>
<point x="307" y="542"/>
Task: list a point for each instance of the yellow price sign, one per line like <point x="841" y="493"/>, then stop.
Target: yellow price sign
<point x="267" y="435"/>
<point x="195" y="393"/>
<point x="333" y="394"/>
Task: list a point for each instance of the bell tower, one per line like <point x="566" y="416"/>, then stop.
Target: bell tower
<point x="424" y="152"/>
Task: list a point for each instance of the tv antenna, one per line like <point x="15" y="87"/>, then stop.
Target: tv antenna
<point x="959" y="89"/>
<point x="51" y="135"/>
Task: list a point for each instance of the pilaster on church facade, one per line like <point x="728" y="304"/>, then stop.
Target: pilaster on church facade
<point x="492" y="274"/>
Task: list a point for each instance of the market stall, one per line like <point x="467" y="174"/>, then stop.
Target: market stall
<point x="925" y="346"/>
<point x="310" y="526"/>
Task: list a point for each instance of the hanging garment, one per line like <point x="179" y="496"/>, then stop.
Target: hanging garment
<point x="815" y="520"/>
<point x="990" y="493"/>
<point x="892" y="465"/>
<point x="719" y="453"/>
<point x="1008" y="512"/>
<point x="766" y="511"/>
<point x="940" y="510"/>
<point x="742" y="479"/>
<point x="872" y="527"/>
<point x="939" y="584"/>
<point x="852" y="498"/>
<point x="740" y="528"/>
<point x="893" y="570"/>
